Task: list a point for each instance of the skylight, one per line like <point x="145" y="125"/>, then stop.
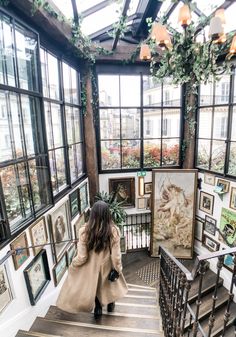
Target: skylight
<point x="173" y="18"/>
<point x="208" y="6"/>
<point x="65" y="7"/>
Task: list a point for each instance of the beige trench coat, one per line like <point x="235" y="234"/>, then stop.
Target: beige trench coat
<point x="88" y="277"/>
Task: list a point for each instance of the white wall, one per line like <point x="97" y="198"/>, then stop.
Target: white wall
<point x="19" y="314"/>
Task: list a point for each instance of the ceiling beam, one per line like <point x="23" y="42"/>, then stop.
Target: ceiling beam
<point x="123" y="15"/>
<point x="75" y="12"/>
<point x="95" y="8"/>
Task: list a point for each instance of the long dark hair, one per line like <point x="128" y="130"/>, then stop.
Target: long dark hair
<point x="99" y="227"/>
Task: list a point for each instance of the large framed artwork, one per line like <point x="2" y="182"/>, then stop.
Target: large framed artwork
<point x="74" y="203"/>
<point x="59" y="269"/>
<point x="21" y="255"/>
<point x="38" y="234"/>
<point x="37" y="276"/>
<point x="60" y="230"/>
<point x="173" y="211"/>
<point x="124" y="189"/>
<point x="228" y="226"/>
<point x="5" y="289"/>
<point x="83" y="197"/>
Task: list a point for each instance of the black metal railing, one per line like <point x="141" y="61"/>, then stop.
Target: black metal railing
<point x="136" y="231"/>
<point x="178" y="318"/>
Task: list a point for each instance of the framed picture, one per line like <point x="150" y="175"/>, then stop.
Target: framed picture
<point x="141" y="204"/>
<point x="228" y="226"/>
<point x="206" y="202"/>
<point x="38" y="235"/>
<point x="60" y="230"/>
<point x="122" y="245"/>
<point x="74" y="203"/>
<point x="83" y="197"/>
<point x="149" y="203"/>
<point x="70" y="253"/>
<point x="229" y="262"/>
<point x="232" y="203"/>
<point x="5" y="289"/>
<point x="79" y="223"/>
<point x="210" y="225"/>
<point x="173" y="209"/>
<point x="223" y="184"/>
<point x="209" y="179"/>
<point x="37" y="276"/>
<point x="59" y="269"/>
<point x="21" y="255"/>
<point x="210" y="244"/>
<point x="124" y="189"/>
<point x="199" y="223"/>
<point x="148" y="188"/>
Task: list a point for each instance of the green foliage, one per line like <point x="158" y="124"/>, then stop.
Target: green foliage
<point x="117" y="212"/>
<point x="4" y="2"/>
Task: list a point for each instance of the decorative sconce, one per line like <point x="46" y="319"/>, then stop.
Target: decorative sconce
<point x="141" y="186"/>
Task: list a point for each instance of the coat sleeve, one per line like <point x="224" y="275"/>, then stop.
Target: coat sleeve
<point x="115" y="249"/>
<point x="82" y="251"/>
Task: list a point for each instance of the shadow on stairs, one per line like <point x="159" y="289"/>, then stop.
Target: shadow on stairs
<point x="135" y="315"/>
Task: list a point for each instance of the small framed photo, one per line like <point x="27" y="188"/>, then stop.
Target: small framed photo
<point x="148" y="188"/>
<point x="149" y="202"/>
<point x="21" y="255"/>
<point x="223" y="184"/>
<point x="70" y="254"/>
<point x="210" y="244"/>
<point x="141" y="204"/>
<point x="206" y="202"/>
<point x="199" y="223"/>
<point x="79" y="223"/>
<point x="209" y="179"/>
<point x="229" y="262"/>
<point x="122" y="245"/>
<point x="124" y="189"/>
<point x="5" y="288"/>
<point x="59" y="269"/>
<point x="37" y="276"/>
<point x="83" y="197"/>
<point x="74" y="203"/>
<point x="232" y="203"/>
<point x="38" y="234"/>
<point x="210" y="225"/>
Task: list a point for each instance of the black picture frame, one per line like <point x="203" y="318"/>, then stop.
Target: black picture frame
<point x="71" y="253"/>
<point x="210" y="225"/>
<point x="40" y="266"/>
<point x="128" y="186"/>
<point x="148" y="188"/>
<point x="74" y="203"/>
<point x="83" y="197"/>
<point x="59" y="269"/>
<point x="198" y="231"/>
<point x="210" y="244"/>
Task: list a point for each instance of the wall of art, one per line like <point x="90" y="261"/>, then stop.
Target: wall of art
<point x="31" y="280"/>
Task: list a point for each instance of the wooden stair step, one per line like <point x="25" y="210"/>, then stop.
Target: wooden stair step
<point x="136" y="309"/>
<point x="109" y="320"/>
<point x="136" y="286"/>
<point x="79" y="329"/>
<point x="142" y="292"/>
<point x="138" y="299"/>
<point x="23" y="333"/>
<point x="230" y="332"/>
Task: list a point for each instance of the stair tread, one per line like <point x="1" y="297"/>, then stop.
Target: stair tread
<point x="132" y="285"/>
<point x="110" y="320"/>
<point x="71" y="329"/>
<point x="138" y="299"/>
<point x="23" y="333"/>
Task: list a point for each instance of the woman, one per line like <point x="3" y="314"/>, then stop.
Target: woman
<point x="98" y="252"/>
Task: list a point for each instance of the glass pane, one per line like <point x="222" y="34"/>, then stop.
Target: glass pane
<point x="218" y="156"/>
<point x="53" y="170"/>
<point x="23" y="184"/>
<point x="234" y="94"/>
<point x="205" y="123"/>
<point x="79" y="159"/>
<point x="7" y="69"/>
<point x="110" y="153"/>
<point x="53" y="77"/>
<point x="66" y="82"/>
<point x="29" y="114"/>
<point x="152" y="91"/>
<point x="48" y="120"/>
<point x="151" y="123"/>
<point x="73" y="170"/>
<point x="27" y="57"/>
<point x="65" y="7"/>
<point x="152" y="153"/>
<point x="203" y="155"/>
<point x="69" y="124"/>
<point x="130" y="123"/>
<point x="130" y="90"/>
<point x="61" y="172"/>
<point x="220" y="122"/>
<point x="109" y="123"/>
<point x="232" y="159"/>
<point x="108" y="90"/>
<point x="222" y="90"/>
<point x="16" y="124"/>
<point x="171" y="94"/>
<point x="130" y="154"/>
<point x="233" y="128"/>
<point x="207" y="6"/>
<point x="5" y="139"/>
<point x="43" y="60"/>
<point x="77" y="125"/>
<point x="82" y="5"/>
<point x="57" y="127"/>
<point x="171" y="123"/>
<point x="230" y="24"/>
<point x="206" y="94"/>
<point x="74" y="86"/>
<point x="170" y="152"/>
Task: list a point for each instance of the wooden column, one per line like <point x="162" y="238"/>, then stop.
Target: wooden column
<point x="90" y="138"/>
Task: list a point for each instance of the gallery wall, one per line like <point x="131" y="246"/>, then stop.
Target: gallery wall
<point x="19" y="313"/>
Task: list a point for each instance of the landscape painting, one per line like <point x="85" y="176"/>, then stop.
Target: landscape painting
<point x="174" y="199"/>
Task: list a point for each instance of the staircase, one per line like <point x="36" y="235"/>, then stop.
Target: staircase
<point x="135" y="315"/>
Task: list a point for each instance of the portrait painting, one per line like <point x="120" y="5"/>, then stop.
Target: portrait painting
<point x="210" y="225"/>
<point x="37" y="276"/>
<point x="5" y="289"/>
<point x="38" y="234"/>
<point x="199" y="223"/>
<point x="206" y="202"/>
<point x="59" y="269"/>
<point x="229" y="262"/>
<point x="74" y="203"/>
<point x="21" y="254"/>
<point x="228" y="226"/>
<point x="71" y="251"/>
<point x="124" y="190"/>
<point x="83" y="197"/>
<point x="78" y="224"/>
<point x="60" y="230"/>
<point x="210" y="244"/>
<point x="223" y="185"/>
<point x="232" y="203"/>
<point x="174" y="196"/>
<point x="148" y="188"/>
<point x="209" y="179"/>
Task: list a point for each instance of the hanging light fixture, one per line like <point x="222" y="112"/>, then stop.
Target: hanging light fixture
<point x="184" y="16"/>
<point x="145" y="52"/>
